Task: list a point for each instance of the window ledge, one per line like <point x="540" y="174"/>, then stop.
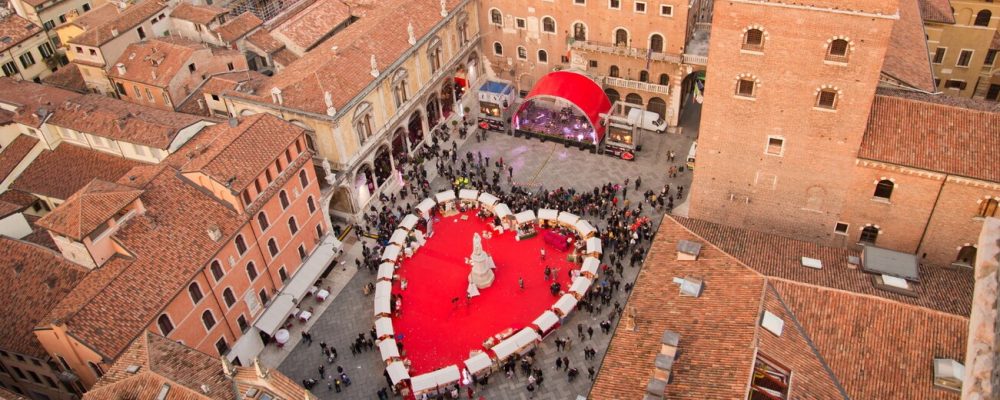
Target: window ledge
<point x="881" y="200"/>
<point x="835" y="62"/>
<point x="739" y="97"/>
<point x="979" y="218"/>
<point x="840" y="233"/>
<point x="824" y="109"/>
<point x="753" y="52"/>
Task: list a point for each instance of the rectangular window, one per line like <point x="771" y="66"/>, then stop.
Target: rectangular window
<point x="142" y="33"/>
<point x="640" y="7"/>
<point x="62" y="19"/>
<point x="964" y="58"/>
<point x="27" y="59"/>
<point x="302" y="252"/>
<point x="93" y="52"/>
<point x="49" y="24"/>
<point x="192" y="68"/>
<point x="775" y="146"/>
<point x="221" y="346"/>
<point x="35" y="377"/>
<point x="149" y="95"/>
<point x="580" y="2"/>
<point x="840" y="228"/>
<point x="45" y="50"/>
<point x="10" y="69"/>
<point x="991" y="57"/>
<point x="230" y="66"/>
<point x="86" y="7"/>
<point x="520" y="23"/>
<point x="770" y="381"/>
<point x="666" y="10"/>
<point x="954" y="84"/>
<point x="593" y="64"/>
<point x="745" y="88"/>
<point x="993" y="93"/>
<point x="615" y="4"/>
<point x="827" y="99"/>
<point x="121" y="89"/>
<point x="939" y="55"/>
<point x="242" y="322"/>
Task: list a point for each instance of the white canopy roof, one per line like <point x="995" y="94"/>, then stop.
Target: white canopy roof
<point x="584" y="228"/>
<point x="468" y="194"/>
<point x="525" y="216"/>
<point x="580" y="285"/>
<point x="426" y="205"/>
<point x="546" y="321"/>
<point x="501" y="210"/>
<point x="514" y="343"/>
<point x="590" y="264"/>
<point x="382" y="306"/>
<point x="383" y="289"/>
<point x="383" y="327"/>
<point x="398" y="237"/>
<point x="388" y="349"/>
<point x="593" y="245"/>
<point x="548" y="213"/>
<point x="391" y="252"/>
<point x="568" y="218"/>
<point x="488" y="199"/>
<point x="397" y="372"/>
<point x="565" y="304"/>
<point x="431" y="380"/>
<point x="444" y="196"/>
<point x="276" y="314"/>
<point x="408" y="222"/>
<point x="295" y="289"/>
<point x="386" y="270"/>
<point x="478" y="363"/>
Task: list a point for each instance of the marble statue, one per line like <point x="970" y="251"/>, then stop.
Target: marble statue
<point x="482" y="264"/>
<point x="330" y="177"/>
<point x="413" y="36"/>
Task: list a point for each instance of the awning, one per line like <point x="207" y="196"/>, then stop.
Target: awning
<point x="425" y="206"/>
<point x="391" y="252"/>
<point x="468" y="194"/>
<point x="397" y="372"/>
<point x="580" y="285"/>
<point x="383" y="289"/>
<point x="388" y="349"/>
<point x="409" y="221"/>
<point x="385" y="271"/>
<point x="478" y="363"/>
<point x="294" y="291"/>
<point x="382" y="306"/>
<point x="383" y="327"/>
<point x="584" y="228"/>
<point x="487" y="199"/>
<point x="398" y="237"/>
<point x="549" y="214"/>
<point x="546" y="321"/>
<point x="502" y="211"/>
<point x="593" y="245"/>
<point x="525" y="216"/>
<point x="447" y="195"/>
<point x="435" y="379"/>
<point x="565" y="304"/>
<point x="582" y="92"/>
<point x="590" y="264"/>
<point x="513" y="344"/>
<point x="568" y="218"/>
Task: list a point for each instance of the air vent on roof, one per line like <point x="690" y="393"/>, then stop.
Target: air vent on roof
<point x="772" y="323"/>
<point x="812" y="263"/>
<point x="948" y="374"/>
<point x="51" y="282"/>
<point x="895" y="282"/>
<point x="233" y="122"/>
<point x="251" y="393"/>
<point x="205" y="389"/>
<point x="114" y="32"/>
<point x="18" y="267"/>
<point x="164" y="391"/>
<point x="688" y="250"/>
<point x="132" y="369"/>
<point x="6" y="39"/>
<point x="214" y="233"/>
<point x="689" y="286"/>
<point x="853" y="262"/>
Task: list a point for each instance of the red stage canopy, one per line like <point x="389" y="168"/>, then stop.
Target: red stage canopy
<point x="578" y="89"/>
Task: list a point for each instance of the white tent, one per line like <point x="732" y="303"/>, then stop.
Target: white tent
<point x="478" y="363"/>
<point x="383" y="289"/>
<point x="391" y="252"/>
<point x="435" y="379"/>
<point x="593" y="245"/>
<point x="385" y="271"/>
<point x="398" y="237"/>
<point x="397" y="372"/>
<point x="488" y="200"/>
<point x="548" y="214"/>
<point x="568" y="218"/>
<point x="275" y="315"/>
<point x="425" y="206"/>
<point x="580" y="285"/>
<point x="447" y="195"/>
<point x="584" y="228"/>
<point x="524" y="217"/>
<point x="382" y="306"/>
<point x="408" y="222"/>
<point x="383" y="327"/>
<point x="468" y="194"/>
<point x="501" y="210"/>
<point x="590" y="264"/>
<point x="388" y="349"/>
<point x="513" y="344"/>
<point x="546" y="321"/>
<point x="565" y="304"/>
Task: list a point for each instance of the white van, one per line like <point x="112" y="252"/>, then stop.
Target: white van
<point x="691" y="154"/>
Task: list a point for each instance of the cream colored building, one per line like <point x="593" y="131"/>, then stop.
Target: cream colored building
<point x="25" y="50"/>
<point x="963" y="42"/>
<point x="50" y="13"/>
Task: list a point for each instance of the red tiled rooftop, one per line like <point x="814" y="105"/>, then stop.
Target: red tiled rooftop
<point x="87" y="209"/>
<point x="264" y="41"/>
<point x="14" y="30"/>
<point x="67" y="77"/>
<point x="201" y="14"/>
<point x="61" y="172"/>
<point x="156" y="62"/>
<point x="14" y="154"/>
<point x="937" y="11"/>
<point x="121" y="120"/>
<point x="18" y="197"/>
<point x="29" y="99"/>
<point x="314" y="23"/>
<point x="906" y="58"/>
<point x="96" y="17"/>
<point x="238" y="27"/>
<point x="129" y="18"/>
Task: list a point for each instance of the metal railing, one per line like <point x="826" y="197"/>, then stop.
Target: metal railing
<point x="636" y="85"/>
<point x="624" y="50"/>
<point x="694" y="59"/>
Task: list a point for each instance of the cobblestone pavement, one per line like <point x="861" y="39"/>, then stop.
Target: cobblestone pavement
<point x="535" y="163"/>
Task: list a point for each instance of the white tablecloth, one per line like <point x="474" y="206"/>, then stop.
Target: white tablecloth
<point x="282" y="336"/>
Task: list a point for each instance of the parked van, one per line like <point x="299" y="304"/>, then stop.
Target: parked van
<point x="691" y="154"/>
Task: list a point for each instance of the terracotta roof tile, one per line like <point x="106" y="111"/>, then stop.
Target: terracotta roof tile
<point x="230" y="81"/>
<point x="39" y="235"/>
<point x="264" y="41"/>
<point x="14" y="30"/>
<point x="284" y="57"/>
<point x="18" y="197"/>
<point x="202" y="14"/>
<point x="33" y="280"/>
<point x="88" y="289"/>
<point x="67" y="77"/>
<point x="936" y="133"/>
<point x="86" y="210"/>
<point x="15" y="153"/>
<point x="29" y="99"/>
<point x="61" y="172"/>
<point x="937" y="11"/>
<point x="157" y="61"/>
<point x="907" y="59"/>
<point x="95" y="17"/>
<point x="126" y="20"/>
<point x="122" y="120"/>
<point x="313" y="24"/>
<point x="8" y="395"/>
<point x="238" y="27"/>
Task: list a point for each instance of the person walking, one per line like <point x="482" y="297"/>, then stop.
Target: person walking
<point x="590" y="332"/>
<point x="591" y="373"/>
<point x="322" y="369"/>
<point x="558" y="363"/>
<point x="520" y="282"/>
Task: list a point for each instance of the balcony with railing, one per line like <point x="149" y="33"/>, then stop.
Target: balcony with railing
<point x="636" y="85"/>
<point x="623" y="50"/>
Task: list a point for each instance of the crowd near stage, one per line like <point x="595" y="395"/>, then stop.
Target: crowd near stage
<point x="566" y="107"/>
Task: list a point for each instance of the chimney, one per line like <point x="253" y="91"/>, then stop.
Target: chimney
<point x="664" y="363"/>
<point x="121" y="68"/>
<point x="276" y="96"/>
<point x="233" y="122"/>
<point x="114" y="32"/>
<point x="227" y="367"/>
<point x="214" y="233"/>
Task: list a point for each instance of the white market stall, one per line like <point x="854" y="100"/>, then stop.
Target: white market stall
<point x="388" y="349"/>
<point x="568" y="219"/>
<point x="546" y="322"/>
<point x="580" y="286"/>
<point x="521" y="341"/>
<point x="398" y="237"/>
<point x="385" y="271"/>
<point x="548" y="215"/>
<point x="408" y="222"/>
<point x="585" y="229"/>
<point x="433" y="380"/>
<point x="502" y="211"/>
<point x="565" y="304"/>
<point x="446" y="199"/>
<point x="590" y="266"/>
<point x="468" y="197"/>
<point x="479" y="364"/>
<point x="383" y="289"/>
<point x="382" y="307"/>
<point x="397" y="372"/>
<point x="488" y="201"/>
<point x="391" y="253"/>
<point x="525" y="217"/>
<point x="425" y="206"/>
<point x="594" y="246"/>
<point x="383" y="328"/>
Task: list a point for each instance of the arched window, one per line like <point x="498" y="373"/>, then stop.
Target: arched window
<point x="869" y="235"/>
<point x="263" y="296"/>
<point x="983" y="18"/>
<point x="664" y="79"/>
<point x="399" y="94"/>
<point x="283" y="198"/>
<point x="312" y="204"/>
<point x="434" y="54"/>
<point x="304" y="178"/>
<point x="549" y="25"/>
<point x="612" y="94"/>
<point x="621" y="37"/>
<point x="837" y="50"/>
<point x="195" y="291"/>
<point x="656" y="43"/>
<point x="363" y="122"/>
<point x="614" y="72"/>
<point x="633" y="99"/>
<point x="497" y="48"/>
<point x="643" y="76"/>
<point x="988" y="208"/>
<point x="522" y="53"/>
<point x="241" y="245"/>
<point x="262" y="221"/>
<point x="217" y="272"/>
<point x="579" y="31"/>
<point x="272" y="247"/>
<point x="251" y="271"/>
<point x="883" y="189"/>
<point x="208" y="320"/>
<point x="966" y="256"/>
<point x="496" y="18"/>
<point x="229" y="297"/>
<point x="543" y="57"/>
<point x="163" y="322"/>
<point x="292" y="225"/>
<point x="753" y="39"/>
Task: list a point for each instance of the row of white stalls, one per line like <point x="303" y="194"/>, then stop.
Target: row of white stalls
<point x="485" y="362"/>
